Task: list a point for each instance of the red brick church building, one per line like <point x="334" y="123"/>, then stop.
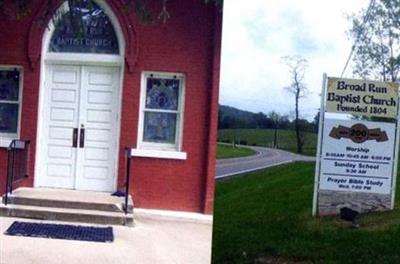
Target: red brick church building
<point x="82" y="91"/>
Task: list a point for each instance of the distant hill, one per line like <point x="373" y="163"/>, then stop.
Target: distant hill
<point x="231" y="117"/>
<point x="232" y="111"/>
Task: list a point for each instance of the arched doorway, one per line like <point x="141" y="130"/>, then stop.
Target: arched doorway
<point x="80" y="99"/>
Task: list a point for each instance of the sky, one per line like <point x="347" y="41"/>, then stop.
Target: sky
<point x="258" y="33"/>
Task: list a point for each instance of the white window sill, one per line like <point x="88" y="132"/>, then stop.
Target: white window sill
<point x="160" y="154"/>
<point x="5" y="142"/>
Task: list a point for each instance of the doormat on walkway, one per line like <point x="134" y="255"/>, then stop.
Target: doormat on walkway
<point x="70" y="232"/>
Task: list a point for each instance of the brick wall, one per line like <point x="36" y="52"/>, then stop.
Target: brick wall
<point x="189" y="43"/>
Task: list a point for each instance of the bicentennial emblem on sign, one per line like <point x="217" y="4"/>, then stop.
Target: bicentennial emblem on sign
<point x="358" y="133"/>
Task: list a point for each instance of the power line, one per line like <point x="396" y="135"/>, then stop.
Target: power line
<point x="365" y="19"/>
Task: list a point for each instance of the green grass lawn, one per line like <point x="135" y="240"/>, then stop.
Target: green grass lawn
<point x="227" y="151"/>
<point x="267" y="216"/>
<point x="265" y="137"/>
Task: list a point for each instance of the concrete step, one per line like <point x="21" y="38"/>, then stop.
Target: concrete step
<point x="47" y="197"/>
<point x="66" y="214"/>
<point x="68" y="205"/>
<point x="110" y="207"/>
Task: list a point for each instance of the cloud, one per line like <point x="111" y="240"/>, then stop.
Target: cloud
<point x="255" y="38"/>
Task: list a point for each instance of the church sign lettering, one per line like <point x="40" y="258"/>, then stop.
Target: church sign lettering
<point x="361" y="97"/>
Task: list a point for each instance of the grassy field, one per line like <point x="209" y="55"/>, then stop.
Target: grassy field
<point x="227" y="152"/>
<point x="266" y="218"/>
<point x="265" y="137"/>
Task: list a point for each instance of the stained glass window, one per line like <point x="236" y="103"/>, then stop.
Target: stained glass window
<point x="9" y="100"/>
<point x="162" y="109"/>
<point x="159" y="127"/>
<point x="162" y="93"/>
<point x="84" y="29"/>
<point x="8" y="118"/>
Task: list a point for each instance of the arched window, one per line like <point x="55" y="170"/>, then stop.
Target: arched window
<point x="84" y="28"/>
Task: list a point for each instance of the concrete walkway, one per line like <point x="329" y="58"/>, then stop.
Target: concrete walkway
<point x="264" y="158"/>
<point x="154" y="239"/>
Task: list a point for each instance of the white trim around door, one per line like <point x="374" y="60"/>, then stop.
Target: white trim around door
<point x="79" y="136"/>
<point x="84" y="64"/>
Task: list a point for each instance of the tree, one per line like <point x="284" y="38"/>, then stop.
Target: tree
<point x="297" y="66"/>
<point x="315" y="122"/>
<point x="376" y="37"/>
<point x="274" y="116"/>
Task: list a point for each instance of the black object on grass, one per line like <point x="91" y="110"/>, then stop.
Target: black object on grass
<point x="350" y="215"/>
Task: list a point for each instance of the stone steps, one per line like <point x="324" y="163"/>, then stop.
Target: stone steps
<point x="67" y="205"/>
<point x="66" y="214"/>
<point x="110" y="207"/>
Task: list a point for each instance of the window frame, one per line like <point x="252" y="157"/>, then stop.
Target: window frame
<point x="154" y="149"/>
<point x="6" y="138"/>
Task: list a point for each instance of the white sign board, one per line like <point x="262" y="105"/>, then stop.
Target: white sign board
<point x="357" y="156"/>
<point x="356" y="159"/>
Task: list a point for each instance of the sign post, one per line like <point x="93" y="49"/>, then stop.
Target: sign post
<point x="356" y="159"/>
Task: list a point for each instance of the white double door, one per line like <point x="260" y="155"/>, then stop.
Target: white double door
<point x="78" y="141"/>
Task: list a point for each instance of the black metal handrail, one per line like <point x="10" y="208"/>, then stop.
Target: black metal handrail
<point x="17" y="164"/>
<point x="127" y="178"/>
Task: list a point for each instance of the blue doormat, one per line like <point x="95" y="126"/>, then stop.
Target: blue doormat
<point x="70" y="232"/>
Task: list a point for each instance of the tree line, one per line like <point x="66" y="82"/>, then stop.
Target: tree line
<point x="233" y="118"/>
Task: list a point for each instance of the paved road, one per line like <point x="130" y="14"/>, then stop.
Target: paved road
<point x="265" y="157"/>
